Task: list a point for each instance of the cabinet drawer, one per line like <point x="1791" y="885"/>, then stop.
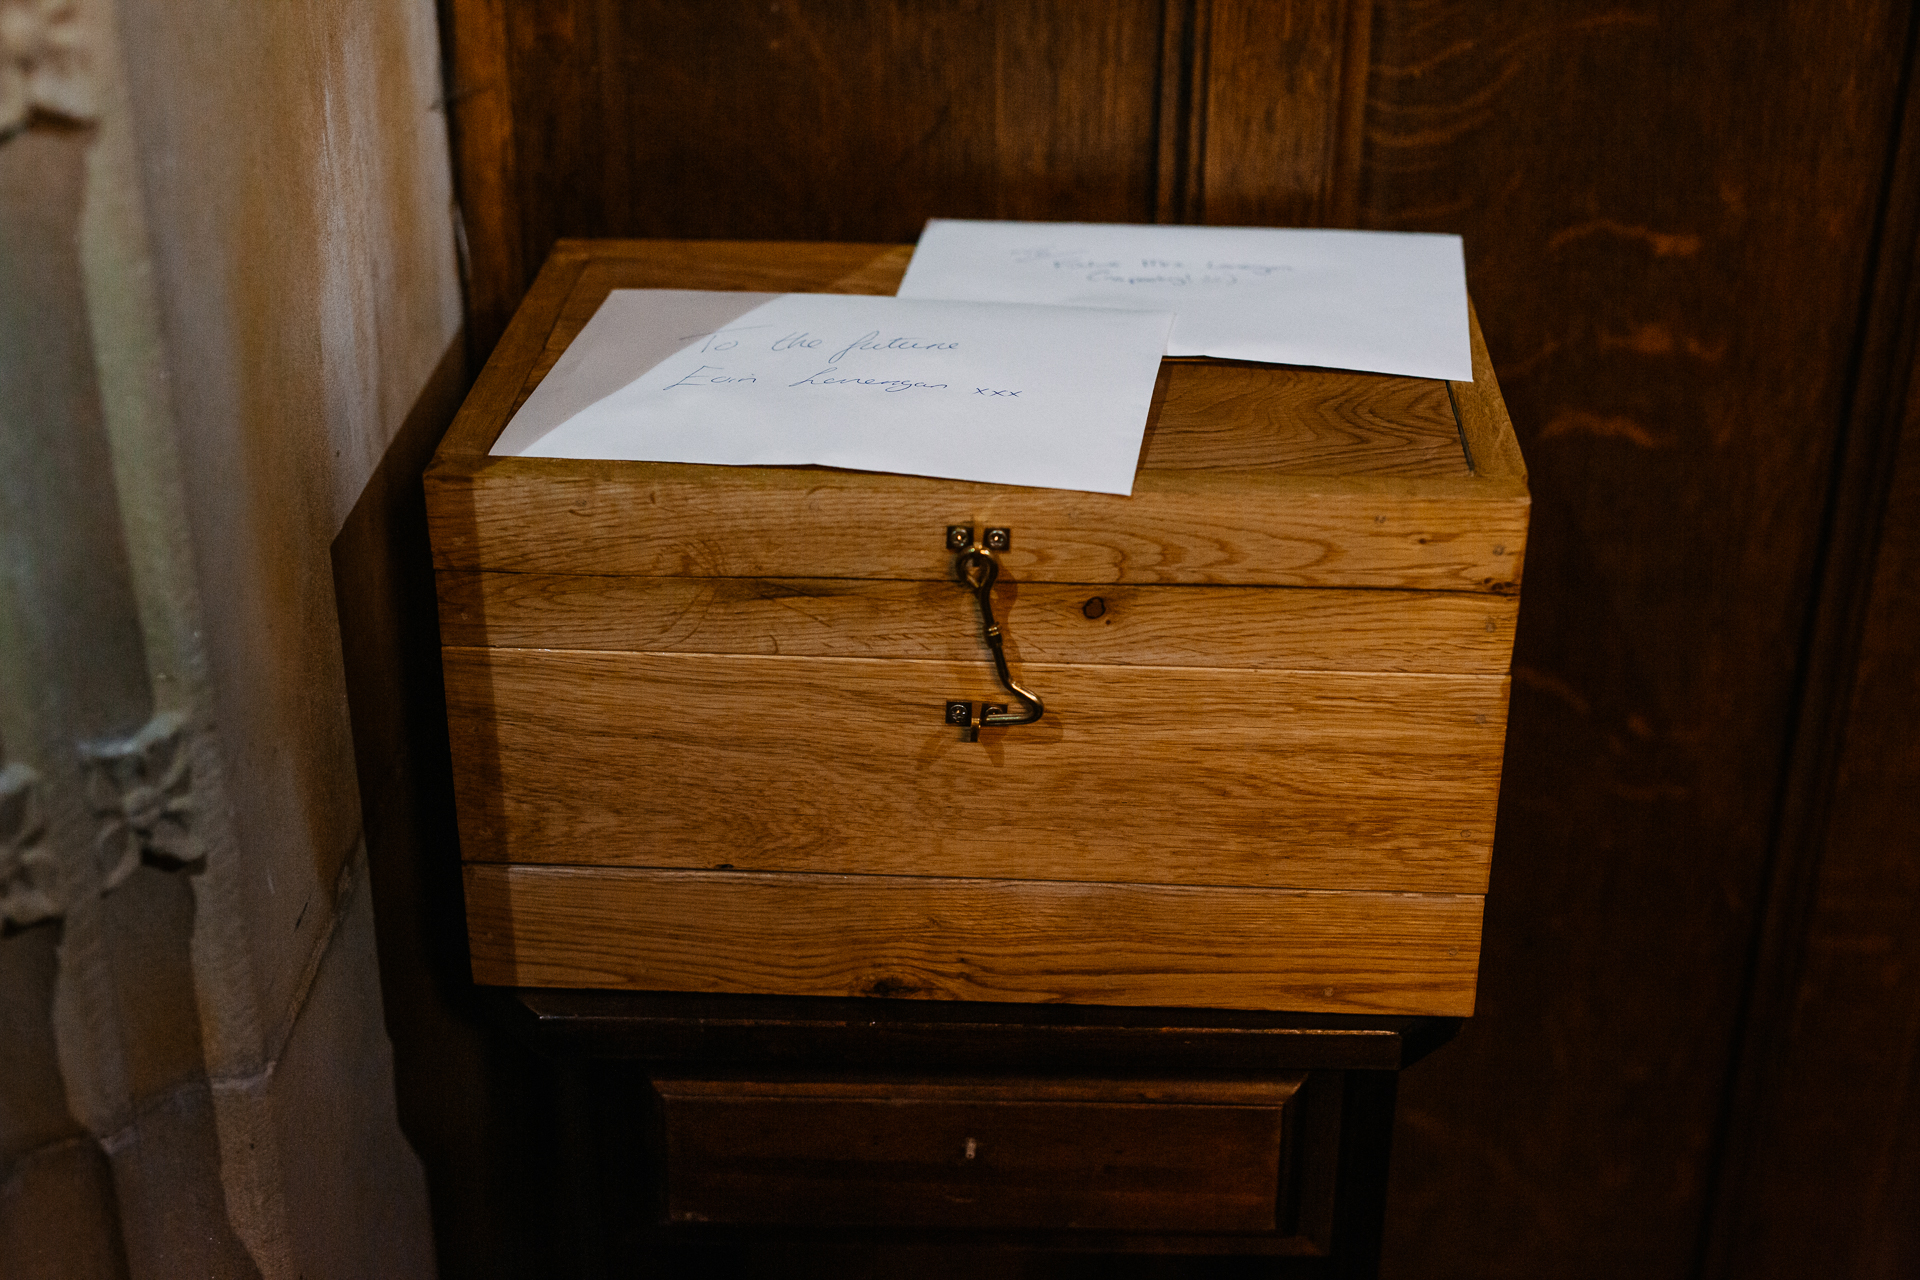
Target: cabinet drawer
<point x="1027" y="1154"/>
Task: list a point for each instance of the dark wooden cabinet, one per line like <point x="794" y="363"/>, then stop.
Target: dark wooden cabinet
<point x="720" y="1127"/>
<point x="1046" y="1121"/>
<point x="1691" y="232"/>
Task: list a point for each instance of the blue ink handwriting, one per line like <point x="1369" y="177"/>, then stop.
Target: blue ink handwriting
<point x="1251" y="268"/>
<point x="870" y="342"/>
<point x="1109" y="277"/>
<point x="717" y="378"/>
<point x="716" y="342"/>
<point x="821" y="379"/>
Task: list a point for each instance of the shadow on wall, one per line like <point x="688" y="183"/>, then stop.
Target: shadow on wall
<point x="478" y="1108"/>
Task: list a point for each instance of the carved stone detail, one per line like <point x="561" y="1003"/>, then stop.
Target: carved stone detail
<point x="29" y="870"/>
<point x="141" y="789"/>
<point x="44" y="63"/>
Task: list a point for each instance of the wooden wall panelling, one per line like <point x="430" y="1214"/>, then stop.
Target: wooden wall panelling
<point x="1823" y="1136"/>
<point x="1284" y="93"/>
<point x="1822" y="1167"/>
<point x="1669" y="253"/>
<point x="479" y="105"/>
<point x="832" y="120"/>
<point x="829" y="121"/>
<point x="1180" y="122"/>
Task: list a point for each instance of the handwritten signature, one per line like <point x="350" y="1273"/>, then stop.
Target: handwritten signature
<point x="719" y="377"/>
<point x="821" y="379"/>
<point x="714" y="375"/>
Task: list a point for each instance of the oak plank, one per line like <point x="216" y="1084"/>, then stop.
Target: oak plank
<point x="880" y="274"/>
<point x="934" y="938"/>
<point x="1316" y="422"/>
<point x="538" y="515"/>
<point x="1340" y="780"/>
<point x="1292" y="628"/>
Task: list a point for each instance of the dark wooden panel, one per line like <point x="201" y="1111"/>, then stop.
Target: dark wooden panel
<point x="1284" y="84"/>
<point x="1821" y="1169"/>
<point x="829" y="120"/>
<point x="839" y="120"/>
<point x="480" y="125"/>
<point x="996" y="1154"/>
<point x="1262" y="106"/>
<point x="1668" y="247"/>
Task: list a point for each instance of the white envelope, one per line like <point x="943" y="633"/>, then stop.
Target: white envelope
<point x="1378" y="301"/>
<point x="996" y="392"/>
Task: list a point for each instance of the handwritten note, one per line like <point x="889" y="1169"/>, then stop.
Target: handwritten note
<point x="996" y="392"/>
<point x="1384" y="302"/>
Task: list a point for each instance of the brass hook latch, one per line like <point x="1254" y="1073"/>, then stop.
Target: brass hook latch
<point x="976" y="569"/>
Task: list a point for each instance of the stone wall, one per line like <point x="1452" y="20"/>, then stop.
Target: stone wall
<point x="226" y="279"/>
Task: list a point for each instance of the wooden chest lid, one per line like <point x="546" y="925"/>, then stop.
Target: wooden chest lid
<point x="1250" y="474"/>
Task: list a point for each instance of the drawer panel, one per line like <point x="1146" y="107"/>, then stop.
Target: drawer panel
<point x="1101" y="1155"/>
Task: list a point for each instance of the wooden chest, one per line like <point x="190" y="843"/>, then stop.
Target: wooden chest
<point x="699" y="714"/>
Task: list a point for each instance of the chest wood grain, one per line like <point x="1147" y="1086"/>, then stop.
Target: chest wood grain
<point x="696" y="711"/>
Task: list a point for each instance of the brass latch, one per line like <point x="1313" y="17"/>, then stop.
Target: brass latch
<point x="976" y="569"/>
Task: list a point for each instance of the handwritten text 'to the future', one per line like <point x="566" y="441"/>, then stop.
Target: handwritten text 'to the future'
<point x="871" y="342"/>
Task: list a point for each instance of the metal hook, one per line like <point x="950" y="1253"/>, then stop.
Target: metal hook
<point x="976" y="569"/>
